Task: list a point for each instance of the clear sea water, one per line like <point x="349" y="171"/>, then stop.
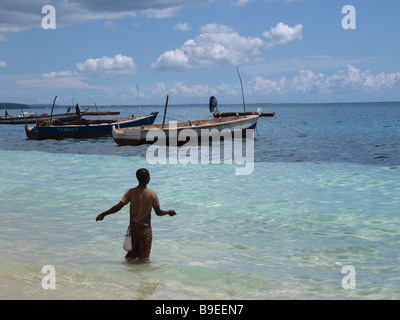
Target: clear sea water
<point x="324" y="193"/>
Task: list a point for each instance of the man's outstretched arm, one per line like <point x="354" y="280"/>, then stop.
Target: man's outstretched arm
<point x="112" y="210"/>
<point x="160" y="212"/>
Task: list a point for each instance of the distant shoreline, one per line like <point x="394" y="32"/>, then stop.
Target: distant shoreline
<point x="10" y="105"/>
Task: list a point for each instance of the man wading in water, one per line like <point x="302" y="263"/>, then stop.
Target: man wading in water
<point x="141" y="199"/>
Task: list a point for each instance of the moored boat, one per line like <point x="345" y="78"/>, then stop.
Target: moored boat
<point x="247" y="113"/>
<point x="185" y="131"/>
<point x="214" y="109"/>
<point x="30" y="118"/>
<point x="83" y="128"/>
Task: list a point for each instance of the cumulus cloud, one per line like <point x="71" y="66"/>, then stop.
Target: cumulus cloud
<point x="354" y="79"/>
<point x="220" y="44"/>
<point x="3" y="64"/>
<point x="282" y="34"/>
<point x="262" y="86"/>
<point x="307" y="82"/>
<point x="216" y="28"/>
<point x="310" y="82"/>
<point x="106" y="66"/>
<point x="100" y="67"/>
<point x="304" y="83"/>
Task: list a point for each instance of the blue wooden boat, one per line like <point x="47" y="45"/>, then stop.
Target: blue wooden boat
<point x="83" y="128"/>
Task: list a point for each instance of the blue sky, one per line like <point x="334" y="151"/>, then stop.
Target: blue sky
<point x="286" y="51"/>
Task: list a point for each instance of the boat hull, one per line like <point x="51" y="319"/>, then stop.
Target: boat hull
<point x="85" y="131"/>
<point x="30" y="120"/>
<point x="180" y="133"/>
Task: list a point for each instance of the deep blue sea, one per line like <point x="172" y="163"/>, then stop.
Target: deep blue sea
<point x="324" y="194"/>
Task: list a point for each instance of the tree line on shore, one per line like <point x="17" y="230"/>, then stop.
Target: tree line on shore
<point x="10" y="105"/>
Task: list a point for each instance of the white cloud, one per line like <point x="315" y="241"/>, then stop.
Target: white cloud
<point x="263" y="86"/>
<point x="310" y="82"/>
<point x="221" y="45"/>
<point x="106" y="66"/>
<point x="98" y="67"/>
<point x="354" y="79"/>
<point x="282" y="34"/>
<point x="3" y="64"/>
<point x="350" y="80"/>
<point x="162" y="13"/>
<point x="61" y="74"/>
<point x="216" y="28"/>
<point x="182" y="26"/>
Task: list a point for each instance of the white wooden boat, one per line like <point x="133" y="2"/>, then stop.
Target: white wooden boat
<point x="182" y="132"/>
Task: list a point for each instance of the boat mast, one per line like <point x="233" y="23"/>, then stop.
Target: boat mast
<point x="73" y="101"/>
<point x="165" y="112"/>
<point x="140" y="110"/>
<point x="241" y="85"/>
<point x="6" y="114"/>
<point x="54" y="102"/>
<point x="97" y="110"/>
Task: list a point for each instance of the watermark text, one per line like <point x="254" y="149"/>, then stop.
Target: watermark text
<point x="49" y="20"/>
<point x="237" y="147"/>
<point x="349" y="280"/>
<point x="349" y="20"/>
<point x="49" y="280"/>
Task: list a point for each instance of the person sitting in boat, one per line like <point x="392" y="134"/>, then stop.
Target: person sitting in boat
<point x="141" y="199"/>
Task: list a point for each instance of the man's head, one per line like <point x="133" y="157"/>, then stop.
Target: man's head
<point x="143" y="176"/>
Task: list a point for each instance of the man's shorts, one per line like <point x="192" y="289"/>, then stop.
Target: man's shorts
<point x="141" y="242"/>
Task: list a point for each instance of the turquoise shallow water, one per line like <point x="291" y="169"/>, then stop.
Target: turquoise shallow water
<point x="283" y="232"/>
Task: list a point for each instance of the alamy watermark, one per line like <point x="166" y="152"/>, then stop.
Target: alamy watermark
<point x="349" y="20"/>
<point x="49" y="280"/>
<point x="193" y="146"/>
<point x="49" y="20"/>
<point x="349" y="280"/>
